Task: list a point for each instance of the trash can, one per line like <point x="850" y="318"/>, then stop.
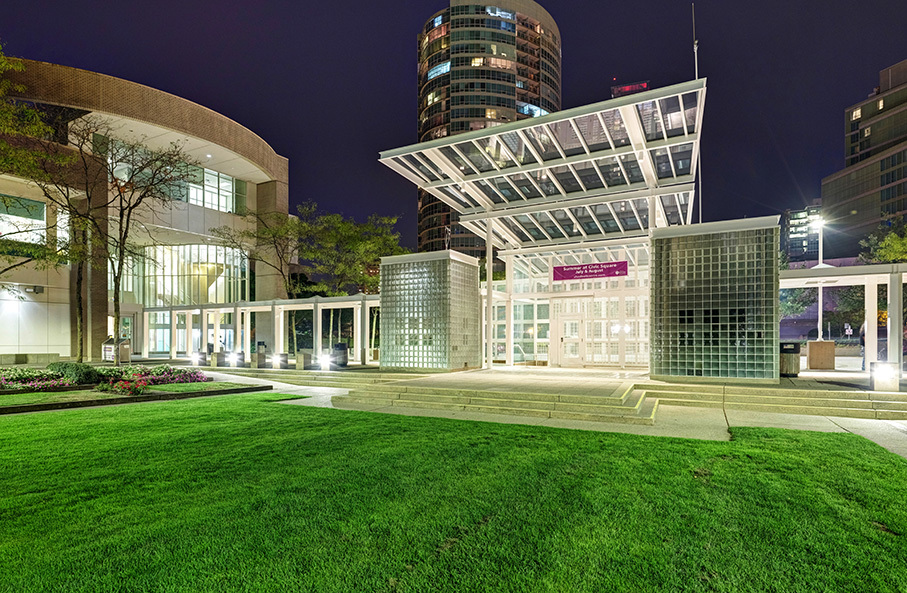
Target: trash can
<point x="340" y="355"/>
<point x="109" y="346"/>
<point x="790" y="359"/>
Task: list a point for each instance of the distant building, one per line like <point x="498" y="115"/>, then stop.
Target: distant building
<point x="800" y="235"/>
<point x="482" y="66"/>
<point x="873" y="185"/>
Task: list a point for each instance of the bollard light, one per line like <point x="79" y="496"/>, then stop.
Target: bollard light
<point x="325" y="361"/>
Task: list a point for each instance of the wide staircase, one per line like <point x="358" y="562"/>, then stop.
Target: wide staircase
<point x="821" y="402"/>
<point x="346" y="379"/>
<point x="626" y="404"/>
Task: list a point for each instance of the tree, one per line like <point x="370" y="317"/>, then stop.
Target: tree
<point x="110" y="187"/>
<point x="794" y="301"/>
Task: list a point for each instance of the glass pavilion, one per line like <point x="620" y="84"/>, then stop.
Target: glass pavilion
<point x="567" y="201"/>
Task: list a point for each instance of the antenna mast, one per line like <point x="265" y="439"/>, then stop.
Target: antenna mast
<point x="696" y="70"/>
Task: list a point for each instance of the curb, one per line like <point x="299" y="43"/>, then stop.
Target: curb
<point x="20" y="409"/>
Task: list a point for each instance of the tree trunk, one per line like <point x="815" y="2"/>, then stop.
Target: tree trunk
<point x="117" y="277"/>
<point x="331" y="330"/>
<point x="80" y="303"/>
<point x="293" y="331"/>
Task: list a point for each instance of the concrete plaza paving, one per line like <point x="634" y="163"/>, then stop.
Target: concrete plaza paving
<point x="671" y="421"/>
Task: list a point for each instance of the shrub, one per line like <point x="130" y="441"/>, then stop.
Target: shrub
<point x="26" y="374"/>
<point x="107" y="373"/>
<point x="76" y="372"/>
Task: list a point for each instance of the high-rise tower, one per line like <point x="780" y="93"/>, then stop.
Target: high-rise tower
<point x="481" y="66"/>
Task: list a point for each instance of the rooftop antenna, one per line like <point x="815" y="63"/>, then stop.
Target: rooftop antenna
<point x="696" y="71"/>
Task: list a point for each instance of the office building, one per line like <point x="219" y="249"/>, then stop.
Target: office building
<point x="800" y="234"/>
<point x="481" y="66"/>
<point x="873" y="185"/>
<point x="178" y="263"/>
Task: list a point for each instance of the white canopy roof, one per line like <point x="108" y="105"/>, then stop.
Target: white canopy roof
<point x="586" y="174"/>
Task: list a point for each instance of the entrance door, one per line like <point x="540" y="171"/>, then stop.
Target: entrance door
<point x="572" y="344"/>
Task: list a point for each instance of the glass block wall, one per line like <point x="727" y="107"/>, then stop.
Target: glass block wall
<point x="430" y="312"/>
<point x="715" y="301"/>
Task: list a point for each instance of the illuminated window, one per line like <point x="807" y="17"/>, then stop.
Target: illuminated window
<point x="495" y="11"/>
<point x="438" y="20"/>
<point x="491" y="113"/>
<point x="867" y="131"/>
<point x="881" y="104"/>
<point x="857" y="114"/>
<point x="215" y="191"/>
<point x="21" y="219"/>
<point x="478" y="62"/>
<point x="439" y="70"/>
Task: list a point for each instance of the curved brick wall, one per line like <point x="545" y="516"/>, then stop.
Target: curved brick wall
<point x="81" y="89"/>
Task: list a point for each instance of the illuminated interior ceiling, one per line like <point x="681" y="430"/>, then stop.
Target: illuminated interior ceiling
<point x="585" y="174"/>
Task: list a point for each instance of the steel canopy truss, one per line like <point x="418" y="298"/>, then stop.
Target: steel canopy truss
<point x="584" y="174"/>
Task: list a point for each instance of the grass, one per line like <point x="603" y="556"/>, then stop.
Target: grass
<point x="244" y="494"/>
<point x="50" y="397"/>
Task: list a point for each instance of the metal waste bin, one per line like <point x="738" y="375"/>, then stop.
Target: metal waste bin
<point x="790" y="359"/>
<point x="340" y="356"/>
<point x="109" y="346"/>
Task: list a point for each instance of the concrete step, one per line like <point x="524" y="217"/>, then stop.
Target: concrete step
<point x="629" y="406"/>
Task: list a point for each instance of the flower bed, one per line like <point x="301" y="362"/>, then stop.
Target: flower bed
<point x="130" y="380"/>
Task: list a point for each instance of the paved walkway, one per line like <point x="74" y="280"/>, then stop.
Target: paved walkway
<point x="670" y="421"/>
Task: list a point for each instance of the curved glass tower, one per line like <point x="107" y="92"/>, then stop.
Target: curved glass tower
<point x="481" y="66"/>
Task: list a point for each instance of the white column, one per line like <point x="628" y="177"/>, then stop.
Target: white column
<point x="203" y="330"/>
<point x="237" y="332"/>
<point x="247" y="332"/>
<point x="508" y="263"/>
<point x="821" y="308"/>
<point x="362" y="332"/>
<point x="217" y="330"/>
<point x="871" y="338"/>
<point x="316" y="330"/>
<point x="189" y="345"/>
<point x="173" y="333"/>
<point x="278" y="329"/>
<point x="489" y="304"/>
<point x="895" y="318"/>
<point x="146" y="334"/>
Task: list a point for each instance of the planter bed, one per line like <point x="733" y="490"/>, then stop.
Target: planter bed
<point x="108" y="399"/>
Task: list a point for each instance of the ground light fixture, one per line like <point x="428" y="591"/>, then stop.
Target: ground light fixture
<point x="232" y="358"/>
<point x="884" y="376"/>
<point x="195" y="358"/>
<point x="325" y="361"/>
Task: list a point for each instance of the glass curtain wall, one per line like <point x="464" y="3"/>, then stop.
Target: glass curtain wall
<point x="177" y="275"/>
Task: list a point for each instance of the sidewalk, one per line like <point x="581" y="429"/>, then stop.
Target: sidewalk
<point x="671" y="421"/>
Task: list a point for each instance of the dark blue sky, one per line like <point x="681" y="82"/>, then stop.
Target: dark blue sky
<point x="329" y="85"/>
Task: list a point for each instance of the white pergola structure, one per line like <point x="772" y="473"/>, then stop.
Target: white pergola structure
<point x="870" y="277"/>
<point x="577" y="186"/>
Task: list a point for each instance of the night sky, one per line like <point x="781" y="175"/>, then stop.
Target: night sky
<point x="330" y="84"/>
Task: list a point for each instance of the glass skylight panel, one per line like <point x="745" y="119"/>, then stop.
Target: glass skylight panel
<point x="488" y="191"/>
<point x="522" y="183"/>
<point x="632" y="168"/>
<point x="476" y="156"/>
<point x="566" y="178"/>
<point x="566" y="137"/>
<point x="683" y="203"/>
<point x="514" y="228"/>
<point x="506" y="190"/>
<point x="543" y="143"/>
<point x="543" y="181"/>
<point x="565" y="222"/>
<point x="611" y="172"/>
<point x="616" y="128"/>
<point x="584" y="217"/>
<point x="533" y="230"/>
<point x="683" y="158"/>
<point x="673" y="118"/>
<point x="426" y="172"/>
<point x="593" y="133"/>
<point x="456" y="160"/>
<point x="690" y="106"/>
<point x="546" y="223"/>
<point x="625" y="213"/>
<point x="494" y="149"/>
<point x="424" y="158"/>
<point x="642" y="210"/>
<point x="406" y="166"/>
<point x="672" y="212"/>
<point x="648" y="117"/>
<point x="588" y="175"/>
<point x="455" y="197"/>
<point x="662" y="163"/>
<point x="604" y="217"/>
<point x="518" y="148"/>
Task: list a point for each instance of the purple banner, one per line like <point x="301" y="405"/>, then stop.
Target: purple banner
<point x="583" y="271"/>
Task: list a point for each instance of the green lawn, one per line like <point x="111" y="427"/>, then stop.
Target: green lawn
<point x="242" y="493"/>
<point x="49" y="397"/>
